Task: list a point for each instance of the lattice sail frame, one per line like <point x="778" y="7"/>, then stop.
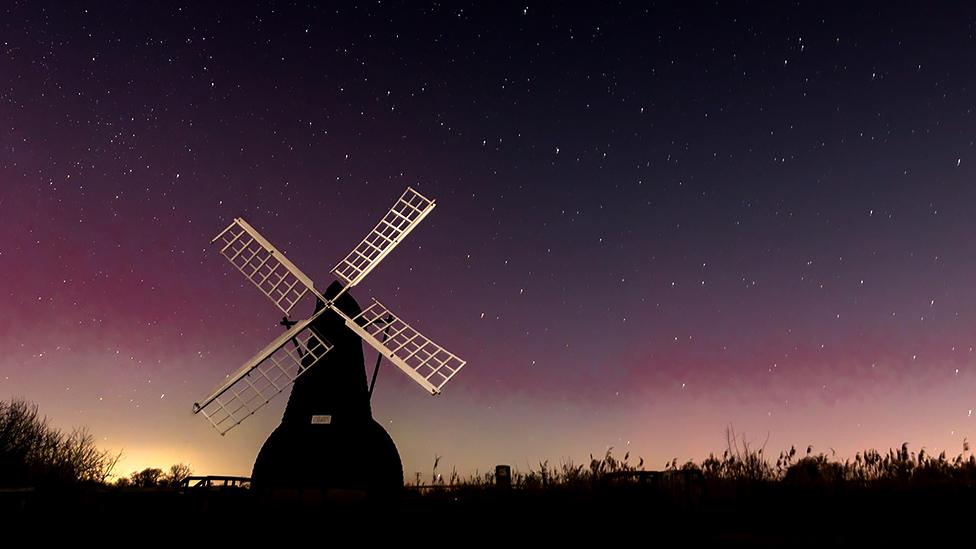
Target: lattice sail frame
<point x="267" y="268"/>
<point x="264" y="376"/>
<point x="408" y="211"/>
<point x="424" y="361"/>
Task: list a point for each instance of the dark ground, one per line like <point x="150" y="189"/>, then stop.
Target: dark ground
<point x="770" y="514"/>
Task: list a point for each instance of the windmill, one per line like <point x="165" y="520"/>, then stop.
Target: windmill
<point x="327" y="435"/>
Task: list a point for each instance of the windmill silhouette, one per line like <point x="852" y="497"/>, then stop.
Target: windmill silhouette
<point x="327" y="437"/>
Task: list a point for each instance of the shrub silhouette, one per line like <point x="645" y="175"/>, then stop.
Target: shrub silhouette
<point x="814" y="470"/>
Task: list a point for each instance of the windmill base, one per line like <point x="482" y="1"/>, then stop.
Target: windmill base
<point x="329" y="456"/>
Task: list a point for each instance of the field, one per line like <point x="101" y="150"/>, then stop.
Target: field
<point x="738" y="498"/>
<point x="741" y="496"/>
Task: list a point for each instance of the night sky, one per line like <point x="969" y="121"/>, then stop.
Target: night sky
<point x="652" y="223"/>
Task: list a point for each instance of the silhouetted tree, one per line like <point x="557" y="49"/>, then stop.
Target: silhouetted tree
<point x="178" y="472"/>
<point x="147" y="478"/>
<point x="154" y="477"/>
<point x="33" y="452"/>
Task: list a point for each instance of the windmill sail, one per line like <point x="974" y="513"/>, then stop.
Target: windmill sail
<point x="265" y="375"/>
<point x="426" y="362"/>
<point x="266" y="267"/>
<point x="408" y="211"/>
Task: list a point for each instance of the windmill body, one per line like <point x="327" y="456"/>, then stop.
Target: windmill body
<point x="335" y="391"/>
<point x="328" y="437"/>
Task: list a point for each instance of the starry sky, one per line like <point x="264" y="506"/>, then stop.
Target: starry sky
<point x="653" y="221"/>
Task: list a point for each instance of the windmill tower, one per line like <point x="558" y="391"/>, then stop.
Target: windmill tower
<point x="327" y="437"/>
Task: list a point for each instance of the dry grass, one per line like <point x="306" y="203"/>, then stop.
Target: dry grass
<point x="743" y="462"/>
